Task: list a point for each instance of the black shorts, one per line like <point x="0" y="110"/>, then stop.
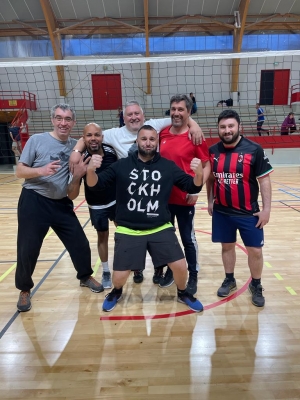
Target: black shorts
<point x="99" y="218"/>
<point x="130" y="251"/>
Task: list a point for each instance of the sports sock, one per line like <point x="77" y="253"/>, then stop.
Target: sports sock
<point x="255" y="282"/>
<point x="105" y="266"/>
<point x="230" y="276"/>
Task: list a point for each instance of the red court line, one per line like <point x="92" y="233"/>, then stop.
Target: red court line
<point x="79" y="205"/>
<point x="182" y="313"/>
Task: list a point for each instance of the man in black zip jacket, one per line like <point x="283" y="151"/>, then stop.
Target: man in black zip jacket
<point x="143" y="185"/>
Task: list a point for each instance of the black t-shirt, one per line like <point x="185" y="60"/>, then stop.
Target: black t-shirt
<point x="102" y="197"/>
<point x="236" y="171"/>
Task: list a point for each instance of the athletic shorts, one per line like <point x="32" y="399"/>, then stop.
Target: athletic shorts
<point x="225" y="227"/>
<point x="99" y="218"/>
<point x="130" y="251"/>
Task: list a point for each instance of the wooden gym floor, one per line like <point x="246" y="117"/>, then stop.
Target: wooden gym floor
<point x="151" y="346"/>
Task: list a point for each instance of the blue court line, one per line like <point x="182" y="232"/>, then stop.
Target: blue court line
<point x="290" y="194"/>
<point x="291" y="188"/>
<point x="15" y="315"/>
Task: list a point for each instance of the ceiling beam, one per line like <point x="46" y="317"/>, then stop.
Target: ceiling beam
<point x="148" y="70"/>
<point x="124" y="24"/>
<point x="237" y="44"/>
<point x="187" y="17"/>
<point x="29" y="26"/>
<point x="66" y="28"/>
<point x="187" y="23"/>
<point x="262" y="20"/>
<point x="173" y="21"/>
<point x="209" y="29"/>
<point x="52" y="25"/>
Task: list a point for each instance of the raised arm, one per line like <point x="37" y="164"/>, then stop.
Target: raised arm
<point x="79" y="170"/>
<point x="196" y="134"/>
<point x="91" y="176"/>
<point x="77" y="152"/>
<point x="196" y="166"/>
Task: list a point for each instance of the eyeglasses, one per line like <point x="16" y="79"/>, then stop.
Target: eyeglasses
<point x="66" y="119"/>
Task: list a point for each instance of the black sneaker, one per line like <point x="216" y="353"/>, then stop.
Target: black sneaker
<point x="167" y="279"/>
<point x="227" y="287"/>
<point x="138" y="276"/>
<point x="192" y="284"/>
<point x="257" y="297"/>
<point x="158" y="274"/>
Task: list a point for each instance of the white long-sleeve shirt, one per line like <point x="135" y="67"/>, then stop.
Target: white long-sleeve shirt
<point x="121" y="139"/>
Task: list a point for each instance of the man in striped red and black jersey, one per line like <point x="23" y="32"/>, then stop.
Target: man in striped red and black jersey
<point x="102" y="204"/>
<point x="240" y="169"/>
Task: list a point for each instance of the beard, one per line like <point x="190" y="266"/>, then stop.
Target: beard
<point x="147" y="153"/>
<point x="177" y="123"/>
<point x="234" y="138"/>
<point x="93" y="149"/>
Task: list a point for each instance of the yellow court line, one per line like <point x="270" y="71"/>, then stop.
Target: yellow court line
<point x="279" y="277"/>
<point x="96" y="267"/>
<point x="49" y="233"/>
<point x="268" y="265"/>
<point x="291" y="291"/>
<point x="10" y="269"/>
<point x="15" y="264"/>
<point x="8" y="272"/>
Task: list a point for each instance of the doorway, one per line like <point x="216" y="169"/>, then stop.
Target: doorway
<point x="274" y="87"/>
<point x="107" y="92"/>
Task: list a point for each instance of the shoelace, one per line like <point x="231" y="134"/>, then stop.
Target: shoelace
<point x="24" y="296"/>
<point x="111" y="295"/>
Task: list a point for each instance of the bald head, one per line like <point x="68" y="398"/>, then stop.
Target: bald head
<point x="92" y="137"/>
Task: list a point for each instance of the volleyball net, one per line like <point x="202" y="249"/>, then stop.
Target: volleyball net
<point x="97" y="87"/>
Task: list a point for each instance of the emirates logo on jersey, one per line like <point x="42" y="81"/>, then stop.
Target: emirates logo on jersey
<point x="240" y="158"/>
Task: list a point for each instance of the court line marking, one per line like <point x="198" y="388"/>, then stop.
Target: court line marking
<point x="290" y="194"/>
<point x="291" y="207"/>
<point x="16" y="314"/>
<point x="289" y="187"/>
<point x="278" y="276"/>
<point x="10" y="269"/>
<point x="187" y="312"/>
<point x="267" y="264"/>
<point x="291" y="291"/>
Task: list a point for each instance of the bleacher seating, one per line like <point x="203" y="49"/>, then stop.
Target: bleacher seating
<point x="39" y="121"/>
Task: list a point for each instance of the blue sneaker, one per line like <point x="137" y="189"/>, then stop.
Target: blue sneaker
<point x="111" y="300"/>
<point x="190" y="301"/>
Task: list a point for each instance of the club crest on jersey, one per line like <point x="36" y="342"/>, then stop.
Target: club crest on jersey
<point x="240" y="158"/>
